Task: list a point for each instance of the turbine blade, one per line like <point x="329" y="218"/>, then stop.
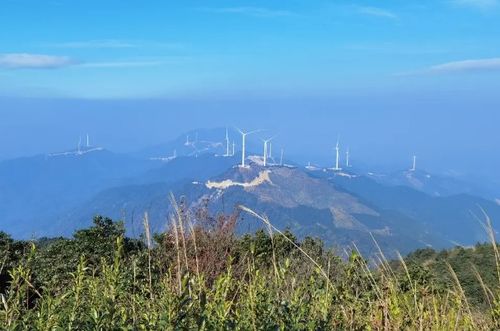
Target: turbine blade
<point x="254" y="131"/>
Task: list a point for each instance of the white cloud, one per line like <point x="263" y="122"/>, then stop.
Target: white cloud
<point x="467" y="65"/>
<point x="38" y="61"/>
<point x="478" y="65"/>
<point x="375" y="11"/>
<point x="33" y="61"/>
<point x="251" y="11"/>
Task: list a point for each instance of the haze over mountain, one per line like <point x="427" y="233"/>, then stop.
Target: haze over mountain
<point x="382" y="131"/>
<point x="54" y="194"/>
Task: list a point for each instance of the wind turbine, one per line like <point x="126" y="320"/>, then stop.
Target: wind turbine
<point x="79" y="144"/>
<point x="187" y="143"/>
<point x="243" y="144"/>
<point x="347" y="164"/>
<point x="227" y="143"/>
<point x="266" y="152"/>
<point x="281" y="158"/>
<point x="88" y="140"/>
<point x="337" y="151"/>
<point x="414" y="167"/>
<point x="234" y="148"/>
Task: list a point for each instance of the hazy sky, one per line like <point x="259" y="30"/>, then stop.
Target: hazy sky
<point x="393" y="78"/>
<point x="447" y="132"/>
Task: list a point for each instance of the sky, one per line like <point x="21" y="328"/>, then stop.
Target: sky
<point x="391" y="77"/>
<point x="131" y="48"/>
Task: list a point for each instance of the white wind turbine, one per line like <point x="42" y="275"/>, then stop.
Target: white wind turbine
<point x="243" y="144"/>
<point x="347" y="161"/>
<point x="79" y="144"/>
<point x="414" y="166"/>
<point x="88" y="140"/>
<point x="266" y="151"/>
<point x="337" y="159"/>
<point x="234" y="148"/>
<point x="227" y="143"/>
<point x="281" y="158"/>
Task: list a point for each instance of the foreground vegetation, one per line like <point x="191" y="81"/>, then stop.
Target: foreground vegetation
<point x="198" y="275"/>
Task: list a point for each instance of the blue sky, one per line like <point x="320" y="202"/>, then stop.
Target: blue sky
<point x="391" y="77"/>
<point x="129" y="48"/>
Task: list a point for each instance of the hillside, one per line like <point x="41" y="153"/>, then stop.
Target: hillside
<point x="341" y="210"/>
<point x="455" y="218"/>
<point x="35" y="190"/>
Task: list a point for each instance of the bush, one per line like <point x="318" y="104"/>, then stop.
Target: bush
<point x="199" y="275"/>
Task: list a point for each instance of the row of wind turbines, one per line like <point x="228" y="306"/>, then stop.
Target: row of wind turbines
<point x="267" y="153"/>
<point x="268" y="148"/>
<point x="231" y="151"/>
<point x="81" y="148"/>
<point x="80" y="143"/>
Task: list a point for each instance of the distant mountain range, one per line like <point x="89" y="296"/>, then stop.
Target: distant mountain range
<point x="435" y="185"/>
<point x="35" y="191"/>
<point x="50" y="195"/>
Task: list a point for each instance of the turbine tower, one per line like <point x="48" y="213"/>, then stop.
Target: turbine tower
<point x="266" y="151"/>
<point x="227" y="143"/>
<point x="337" y="152"/>
<point x="88" y="140"/>
<point x="414" y="167"/>
<point x="234" y="148"/>
<point x="347" y="164"/>
<point x="281" y="158"/>
<point x="270" y="154"/>
<point x="243" y="144"/>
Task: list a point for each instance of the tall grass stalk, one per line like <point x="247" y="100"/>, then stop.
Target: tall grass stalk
<point x="147" y="230"/>
<point x="273" y="228"/>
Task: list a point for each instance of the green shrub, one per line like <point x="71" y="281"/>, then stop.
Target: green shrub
<point x="200" y="276"/>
